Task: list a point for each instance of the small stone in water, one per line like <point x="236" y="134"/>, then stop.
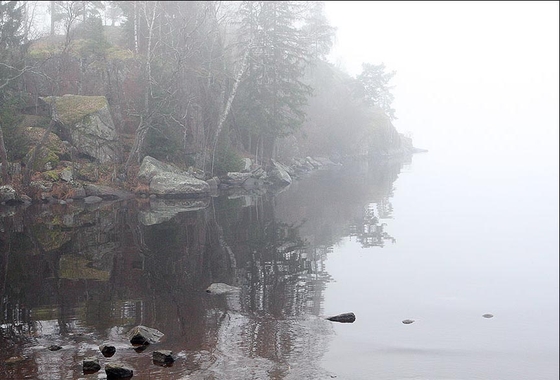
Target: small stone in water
<point x="408" y="321"/>
<point x="15" y="359"/>
<point x="163" y="356"/>
<point x="343" y="318"/>
<point x="107" y="351"/>
<point x="91" y="365"/>
<point x="487" y="315"/>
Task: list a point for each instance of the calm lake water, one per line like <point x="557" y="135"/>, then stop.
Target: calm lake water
<point x="439" y="244"/>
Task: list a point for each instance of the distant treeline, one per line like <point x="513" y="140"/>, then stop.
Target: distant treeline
<point x="194" y="82"/>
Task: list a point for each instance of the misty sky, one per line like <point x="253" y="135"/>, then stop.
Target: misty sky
<point x="471" y="76"/>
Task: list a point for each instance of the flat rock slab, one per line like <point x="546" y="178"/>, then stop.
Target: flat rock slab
<point x="221" y="288"/>
<point x="142" y="335"/>
<point x="343" y="318"/>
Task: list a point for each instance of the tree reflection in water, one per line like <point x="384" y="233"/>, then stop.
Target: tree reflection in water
<point x="81" y="275"/>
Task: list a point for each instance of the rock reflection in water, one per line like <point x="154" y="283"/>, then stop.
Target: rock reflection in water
<point x="80" y="275"/>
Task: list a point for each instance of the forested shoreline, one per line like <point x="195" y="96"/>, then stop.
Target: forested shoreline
<point x="206" y="86"/>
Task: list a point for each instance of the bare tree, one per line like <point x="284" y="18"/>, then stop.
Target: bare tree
<point x="231" y="97"/>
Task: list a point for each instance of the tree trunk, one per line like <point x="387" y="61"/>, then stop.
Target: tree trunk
<point x="141" y="132"/>
<point x="52" y="17"/>
<point x="135" y="27"/>
<point x="4" y="159"/>
<point x="229" y="102"/>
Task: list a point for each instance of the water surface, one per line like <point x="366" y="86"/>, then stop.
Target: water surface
<point x="387" y="240"/>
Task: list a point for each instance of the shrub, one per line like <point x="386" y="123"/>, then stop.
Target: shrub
<point x="226" y="160"/>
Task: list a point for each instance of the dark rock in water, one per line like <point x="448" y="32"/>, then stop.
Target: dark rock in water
<point x="140" y="348"/>
<point x="117" y="371"/>
<point x="408" y="321"/>
<point x="107" y="351"/>
<point x="142" y="335"/>
<point x="163" y="356"/>
<point x="55" y="347"/>
<point x="488" y="315"/>
<point x="91" y="365"/>
<point x="343" y="318"/>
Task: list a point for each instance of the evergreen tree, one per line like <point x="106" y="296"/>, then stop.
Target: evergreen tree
<point x="11" y="71"/>
<point x="374" y="87"/>
<point x="272" y="95"/>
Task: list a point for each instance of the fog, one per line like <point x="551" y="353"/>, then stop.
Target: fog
<point x="478" y="79"/>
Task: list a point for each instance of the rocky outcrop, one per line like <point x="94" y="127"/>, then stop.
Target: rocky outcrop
<point x="85" y="121"/>
<point x="151" y="167"/>
<point x="177" y="185"/>
<point x="235" y="178"/>
<point x="7" y="194"/>
<point x="51" y="152"/>
<point x="278" y="174"/>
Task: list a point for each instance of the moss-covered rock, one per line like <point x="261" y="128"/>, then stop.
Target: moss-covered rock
<point x="45" y="160"/>
<point x="85" y="121"/>
<point x="50" y="154"/>
<point x="50" y="175"/>
<point x="71" y="109"/>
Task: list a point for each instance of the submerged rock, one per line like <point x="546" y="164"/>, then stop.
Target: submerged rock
<point x="142" y="335"/>
<point x="488" y="315"/>
<point x="343" y="318"/>
<point x="221" y="288"/>
<point x="408" y="321"/>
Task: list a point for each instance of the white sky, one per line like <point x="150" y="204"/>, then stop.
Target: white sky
<point x="482" y="73"/>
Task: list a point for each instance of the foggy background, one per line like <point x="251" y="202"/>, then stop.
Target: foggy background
<point x="475" y="78"/>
